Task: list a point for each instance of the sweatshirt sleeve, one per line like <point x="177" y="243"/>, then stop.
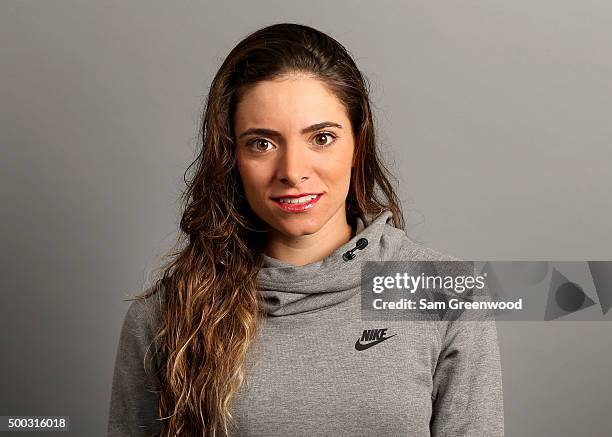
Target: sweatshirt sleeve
<point x="133" y="406"/>
<point x="467" y="397"/>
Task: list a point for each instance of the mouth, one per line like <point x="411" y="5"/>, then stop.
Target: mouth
<point x="298" y="203"/>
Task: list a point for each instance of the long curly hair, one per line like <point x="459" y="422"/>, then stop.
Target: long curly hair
<point x="211" y="309"/>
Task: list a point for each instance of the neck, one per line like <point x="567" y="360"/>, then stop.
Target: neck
<point x="306" y="249"/>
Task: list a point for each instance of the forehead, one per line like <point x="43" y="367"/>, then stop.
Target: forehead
<point x="290" y="102"/>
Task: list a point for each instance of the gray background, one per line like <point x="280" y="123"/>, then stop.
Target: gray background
<point x="493" y="114"/>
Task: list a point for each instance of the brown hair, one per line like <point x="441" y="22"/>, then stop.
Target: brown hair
<point x="211" y="308"/>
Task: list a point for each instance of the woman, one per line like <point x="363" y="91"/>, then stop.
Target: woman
<point x="254" y="326"/>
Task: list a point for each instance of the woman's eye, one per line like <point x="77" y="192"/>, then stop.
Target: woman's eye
<point x="260" y="145"/>
<point x="322" y="136"/>
<point x="322" y="139"/>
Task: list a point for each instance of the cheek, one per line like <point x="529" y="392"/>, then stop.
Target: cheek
<point x="338" y="172"/>
<point x="253" y="176"/>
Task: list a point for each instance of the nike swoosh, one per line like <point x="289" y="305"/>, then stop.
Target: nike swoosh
<point x="362" y="347"/>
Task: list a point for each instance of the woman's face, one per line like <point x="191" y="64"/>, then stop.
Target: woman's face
<point x="293" y="137"/>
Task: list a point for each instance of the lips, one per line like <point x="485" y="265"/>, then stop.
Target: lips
<point x="297" y="207"/>
<point x="294" y="196"/>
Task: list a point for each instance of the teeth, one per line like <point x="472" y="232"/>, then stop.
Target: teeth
<point x="297" y="200"/>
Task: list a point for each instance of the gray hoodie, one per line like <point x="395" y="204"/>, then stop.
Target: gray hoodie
<point x="307" y="377"/>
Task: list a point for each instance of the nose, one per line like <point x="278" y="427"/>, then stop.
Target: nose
<point x="294" y="165"/>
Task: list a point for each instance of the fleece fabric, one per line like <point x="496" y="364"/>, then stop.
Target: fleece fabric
<point x="307" y="377"/>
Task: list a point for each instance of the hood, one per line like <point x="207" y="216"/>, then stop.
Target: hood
<point x="289" y="289"/>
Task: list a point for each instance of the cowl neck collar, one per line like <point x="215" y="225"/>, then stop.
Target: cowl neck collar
<point x="289" y="289"/>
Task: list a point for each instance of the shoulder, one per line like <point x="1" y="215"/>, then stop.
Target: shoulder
<point x="144" y="313"/>
<point x="411" y="250"/>
<point x="140" y="327"/>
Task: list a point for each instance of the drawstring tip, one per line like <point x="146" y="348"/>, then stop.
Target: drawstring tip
<point x="349" y="255"/>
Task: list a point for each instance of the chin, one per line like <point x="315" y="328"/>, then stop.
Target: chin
<point x="297" y="227"/>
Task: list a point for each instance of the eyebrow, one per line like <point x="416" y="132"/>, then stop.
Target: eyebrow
<point x="273" y="133"/>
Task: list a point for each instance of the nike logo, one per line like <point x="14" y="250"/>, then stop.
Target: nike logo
<point x="373" y="336"/>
